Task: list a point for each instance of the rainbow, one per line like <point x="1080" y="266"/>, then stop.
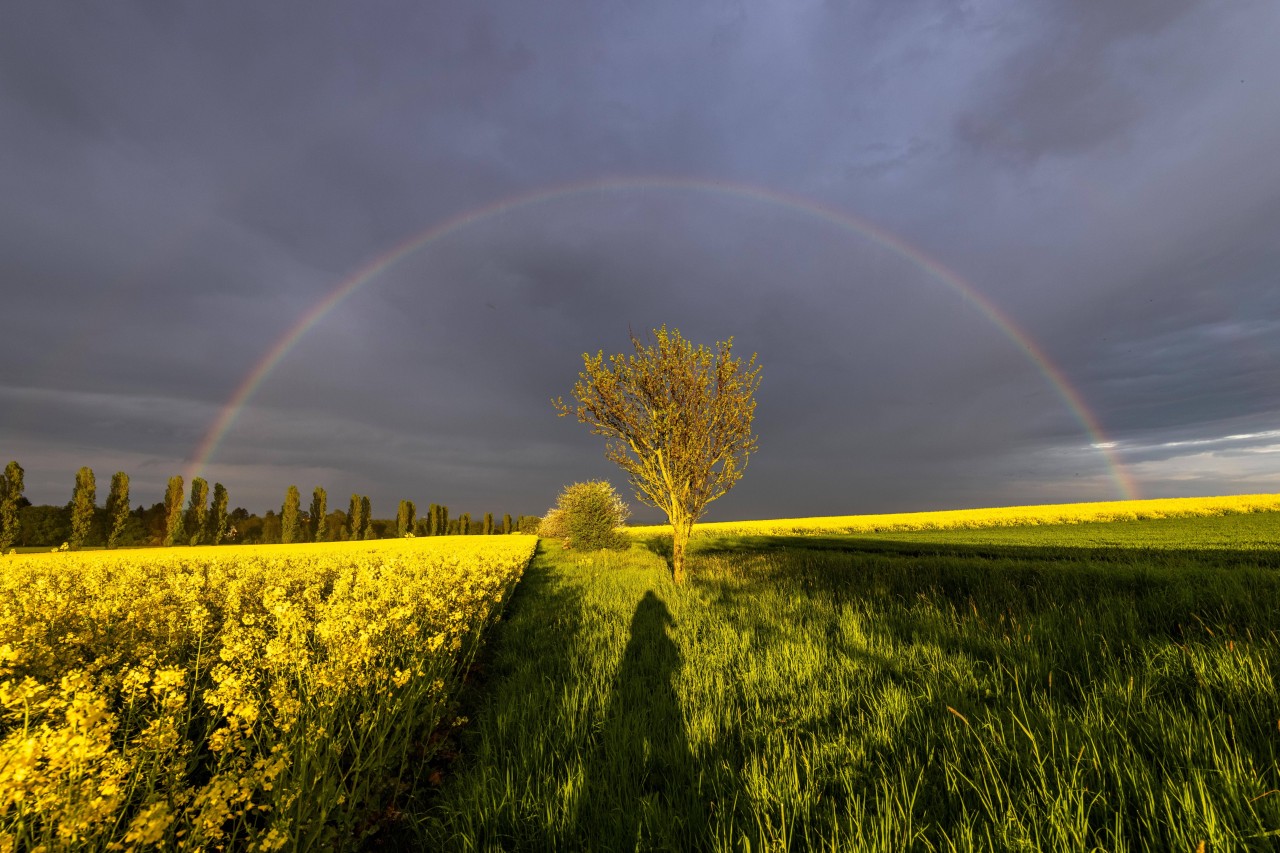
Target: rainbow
<point x="848" y="221"/>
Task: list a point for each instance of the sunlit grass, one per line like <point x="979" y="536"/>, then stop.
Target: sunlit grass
<point x="847" y="693"/>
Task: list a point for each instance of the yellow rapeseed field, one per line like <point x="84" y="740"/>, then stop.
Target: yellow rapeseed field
<point x="250" y="697"/>
<point x="997" y="517"/>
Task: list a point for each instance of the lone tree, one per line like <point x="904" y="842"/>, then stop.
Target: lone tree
<point x="676" y="418"/>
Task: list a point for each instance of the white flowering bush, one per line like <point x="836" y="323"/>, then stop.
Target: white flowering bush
<point x="588" y="516"/>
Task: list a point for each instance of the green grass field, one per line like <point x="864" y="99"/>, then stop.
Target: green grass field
<point x="1105" y="686"/>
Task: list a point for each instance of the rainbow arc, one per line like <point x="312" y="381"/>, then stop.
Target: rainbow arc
<point x="865" y="228"/>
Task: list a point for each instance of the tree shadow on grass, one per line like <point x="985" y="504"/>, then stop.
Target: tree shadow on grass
<point x="661" y="546"/>
<point x="1165" y="588"/>
<point x="1031" y="609"/>
<point x="887" y="546"/>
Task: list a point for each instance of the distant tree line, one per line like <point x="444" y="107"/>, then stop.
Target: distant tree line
<point x="195" y="517"/>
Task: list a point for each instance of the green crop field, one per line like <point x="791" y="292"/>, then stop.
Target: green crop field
<point x="1089" y="686"/>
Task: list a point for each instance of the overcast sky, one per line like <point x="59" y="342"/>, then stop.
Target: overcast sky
<point x="180" y="183"/>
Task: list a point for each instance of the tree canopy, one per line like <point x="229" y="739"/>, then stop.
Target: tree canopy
<point x="676" y="418"/>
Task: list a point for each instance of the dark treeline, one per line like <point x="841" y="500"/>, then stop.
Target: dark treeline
<point x="201" y="517"/>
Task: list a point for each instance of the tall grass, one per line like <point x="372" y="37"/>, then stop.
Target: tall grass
<point x="855" y="694"/>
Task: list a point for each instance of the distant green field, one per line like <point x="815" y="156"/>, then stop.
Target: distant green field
<point x="1090" y="686"/>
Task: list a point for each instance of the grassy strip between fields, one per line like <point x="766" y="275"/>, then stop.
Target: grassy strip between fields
<point x="854" y="693"/>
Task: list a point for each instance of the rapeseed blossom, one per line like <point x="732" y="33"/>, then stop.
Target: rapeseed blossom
<point x="205" y="698"/>
<point x="1013" y="516"/>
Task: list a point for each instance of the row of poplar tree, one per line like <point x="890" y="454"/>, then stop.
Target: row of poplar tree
<point x="207" y="522"/>
<point x="313" y="526"/>
<point x="83" y="506"/>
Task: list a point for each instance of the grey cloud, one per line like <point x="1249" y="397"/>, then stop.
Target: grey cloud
<point x="1071" y="88"/>
<point x="184" y="182"/>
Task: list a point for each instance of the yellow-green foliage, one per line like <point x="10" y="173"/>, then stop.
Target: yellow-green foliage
<point x="996" y="517"/>
<point x="232" y="697"/>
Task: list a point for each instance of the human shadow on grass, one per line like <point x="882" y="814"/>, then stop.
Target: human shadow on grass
<point x="641" y="791"/>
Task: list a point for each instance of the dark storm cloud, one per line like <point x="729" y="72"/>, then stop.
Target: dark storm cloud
<point x="1073" y="85"/>
<point x="182" y="182"/>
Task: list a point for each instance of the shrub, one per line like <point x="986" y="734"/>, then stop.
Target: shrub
<point x="553" y="525"/>
<point x="589" y="516"/>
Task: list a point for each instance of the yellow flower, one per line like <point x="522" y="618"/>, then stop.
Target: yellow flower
<point x="259" y="650"/>
<point x="149" y="826"/>
<point x="168" y="679"/>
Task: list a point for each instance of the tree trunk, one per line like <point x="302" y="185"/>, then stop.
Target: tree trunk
<point x="679" y="539"/>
